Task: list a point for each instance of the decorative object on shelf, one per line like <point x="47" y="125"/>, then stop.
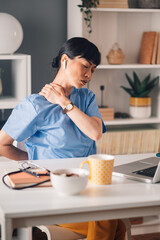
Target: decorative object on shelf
<point x="121" y="115"/>
<point x="86" y="8"/>
<point x="115" y="55"/>
<point x="102" y="89"/>
<point x="11" y="34"/>
<point x="113" y="4"/>
<point x="148" y="4"/>
<point x="140" y="102"/>
<point x="106" y="112"/>
<point x="132" y="4"/>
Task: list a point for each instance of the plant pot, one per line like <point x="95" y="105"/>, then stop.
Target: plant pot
<point x="140" y="107"/>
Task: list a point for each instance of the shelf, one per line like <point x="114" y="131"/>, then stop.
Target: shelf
<point x="129" y="10"/>
<point x="12" y="56"/>
<point x="129" y="66"/>
<point x="8" y="102"/>
<point x="18" y="69"/>
<point x="150" y="224"/>
<point x="132" y="121"/>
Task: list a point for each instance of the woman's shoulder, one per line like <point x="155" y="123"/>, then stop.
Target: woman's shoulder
<point x="36" y="100"/>
<point x="85" y="91"/>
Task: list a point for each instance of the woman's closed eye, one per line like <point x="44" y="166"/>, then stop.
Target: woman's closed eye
<point x="85" y="66"/>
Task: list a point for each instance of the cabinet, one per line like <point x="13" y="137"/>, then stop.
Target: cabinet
<point x="16" y="78"/>
<point x="124" y="26"/>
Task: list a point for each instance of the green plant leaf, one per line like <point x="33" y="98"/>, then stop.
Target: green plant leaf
<point x="140" y="89"/>
<point x="153" y="82"/>
<point x="86" y="8"/>
<point x="129" y="91"/>
<point x="131" y="83"/>
<point x="146" y="80"/>
<point x="137" y="82"/>
<point x="144" y="94"/>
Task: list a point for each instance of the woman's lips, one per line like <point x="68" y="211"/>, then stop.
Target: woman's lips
<point x="83" y="82"/>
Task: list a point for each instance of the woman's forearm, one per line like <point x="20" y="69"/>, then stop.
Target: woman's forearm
<point x="12" y="152"/>
<point x="8" y="150"/>
<point x="91" y="126"/>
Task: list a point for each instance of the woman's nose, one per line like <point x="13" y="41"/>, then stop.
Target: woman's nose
<point x="88" y="74"/>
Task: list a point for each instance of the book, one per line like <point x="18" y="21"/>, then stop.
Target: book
<point x="113" y="4"/>
<point x="23" y="179"/>
<point x="146" y="47"/>
<point x="155" y="49"/>
<point x="158" y="50"/>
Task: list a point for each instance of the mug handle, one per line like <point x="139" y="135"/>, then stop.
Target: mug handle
<point x="88" y="164"/>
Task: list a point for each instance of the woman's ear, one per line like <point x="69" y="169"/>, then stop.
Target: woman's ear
<point x="64" y="60"/>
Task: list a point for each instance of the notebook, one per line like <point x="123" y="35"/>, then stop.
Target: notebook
<point x="24" y="179"/>
<point x="145" y="170"/>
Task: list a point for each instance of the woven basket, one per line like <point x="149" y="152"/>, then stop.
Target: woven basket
<point x="115" y="55"/>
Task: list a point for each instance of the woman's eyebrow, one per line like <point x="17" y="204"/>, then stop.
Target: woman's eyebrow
<point x="91" y="63"/>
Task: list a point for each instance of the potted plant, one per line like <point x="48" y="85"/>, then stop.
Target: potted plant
<point x="140" y="101"/>
<point x="86" y="8"/>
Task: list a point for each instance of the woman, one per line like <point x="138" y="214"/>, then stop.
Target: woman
<point x="62" y="121"/>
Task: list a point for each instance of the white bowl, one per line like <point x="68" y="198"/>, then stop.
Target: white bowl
<point x="69" y="185"/>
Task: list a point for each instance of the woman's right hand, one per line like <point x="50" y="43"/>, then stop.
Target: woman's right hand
<point x="55" y="94"/>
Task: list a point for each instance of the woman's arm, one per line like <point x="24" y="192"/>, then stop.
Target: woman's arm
<point x="8" y="150"/>
<point x="91" y="126"/>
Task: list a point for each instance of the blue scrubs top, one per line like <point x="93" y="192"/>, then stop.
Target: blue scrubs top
<point x="49" y="132"/>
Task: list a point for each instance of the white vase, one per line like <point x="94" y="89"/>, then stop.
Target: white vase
<point x="140" y="107"/>
<point x="11" y="34"/>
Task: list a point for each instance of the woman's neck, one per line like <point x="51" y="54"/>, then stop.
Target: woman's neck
<point x="62" y="80"/>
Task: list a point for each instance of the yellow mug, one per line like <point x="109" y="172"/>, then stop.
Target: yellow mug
<point x="101" y="168"/>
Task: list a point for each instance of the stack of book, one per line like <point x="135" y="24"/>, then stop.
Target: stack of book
<point x="129" y="141"/>
<point x="150" y="48"/>
<point x="107" y="113"/>
<point x="113" y="4"/>
<point x="24" y="179"/>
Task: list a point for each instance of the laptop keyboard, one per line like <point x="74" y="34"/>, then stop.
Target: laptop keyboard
<point x="149" y="172"/>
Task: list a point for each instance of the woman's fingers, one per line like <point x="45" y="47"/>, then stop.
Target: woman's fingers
<point x="58" y="87"/>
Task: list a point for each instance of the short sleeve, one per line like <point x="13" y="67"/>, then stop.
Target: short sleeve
<point x="93" y="110"/>
<point x="22" y="122"/>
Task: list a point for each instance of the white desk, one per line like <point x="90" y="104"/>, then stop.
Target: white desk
<point x="40" y="206"/>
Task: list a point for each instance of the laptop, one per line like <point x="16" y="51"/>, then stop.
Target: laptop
<point x="145" y="170"/>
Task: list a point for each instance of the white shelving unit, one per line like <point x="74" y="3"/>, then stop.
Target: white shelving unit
<point x="20" y="78"/>
<point x="124" y="26"/>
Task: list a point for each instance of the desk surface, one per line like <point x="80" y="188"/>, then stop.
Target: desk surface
<point x="123" y="198"/>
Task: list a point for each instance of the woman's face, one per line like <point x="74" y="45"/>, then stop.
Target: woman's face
<point x="79" y="71"/>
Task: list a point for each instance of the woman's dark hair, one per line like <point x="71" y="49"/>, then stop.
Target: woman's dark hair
<point x="78" y="46"/>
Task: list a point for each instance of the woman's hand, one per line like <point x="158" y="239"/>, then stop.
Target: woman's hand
<point x="54" y="93"/>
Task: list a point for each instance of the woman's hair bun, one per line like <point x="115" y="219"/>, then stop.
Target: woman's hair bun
<point x="55" y="62"/>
